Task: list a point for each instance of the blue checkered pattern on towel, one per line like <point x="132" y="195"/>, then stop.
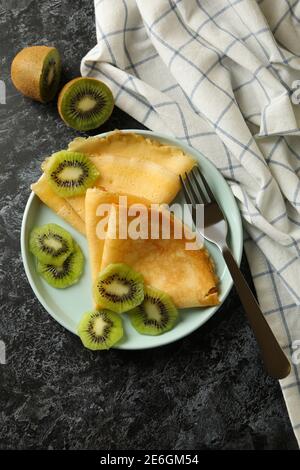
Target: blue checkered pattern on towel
<point x="219" y="74"/>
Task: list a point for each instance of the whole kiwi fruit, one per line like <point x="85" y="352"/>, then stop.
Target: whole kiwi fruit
<point x="36" y="71"/>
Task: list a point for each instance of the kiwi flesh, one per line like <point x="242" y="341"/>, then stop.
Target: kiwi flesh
<point x="51" y="244"/>
<point x="70" y="173"/>
<point x="155" y="315"/>
<point x="119" y="288"/>
<point x="85" y="103"/>
<point x="36" y="72"/>
<point x="65" y="275"/>
<point x="100" y="329"/>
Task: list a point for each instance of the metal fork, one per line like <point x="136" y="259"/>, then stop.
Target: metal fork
<point x="197" y="191"/>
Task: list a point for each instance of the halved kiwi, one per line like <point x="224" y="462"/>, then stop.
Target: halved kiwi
<point x="85" y="103"/>
<point x="51" y="244"/>
<point x="119" y="288"/>
<point x="155" y="315"/>
<point x="70" y="173"/>
<point x="100" y="329"/>
<point x="36" y="71"/>
<point x="65" y="275"/>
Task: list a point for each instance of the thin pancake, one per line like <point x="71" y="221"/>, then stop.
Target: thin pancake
<point x="94" y="198"/>
<point x="59" y="205"/>
<point x="186" y="275"/>
<point x="128" y="164"/>
<point x="137" y="147"/>
<point x="141" y="178"/>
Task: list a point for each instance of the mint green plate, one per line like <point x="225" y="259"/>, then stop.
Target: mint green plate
<point x="66" y="306"/>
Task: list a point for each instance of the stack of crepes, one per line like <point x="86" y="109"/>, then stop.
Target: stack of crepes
<point x="147" y="172"/>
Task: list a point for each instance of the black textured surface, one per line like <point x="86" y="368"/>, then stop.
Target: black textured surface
<point x="207" y="391"/>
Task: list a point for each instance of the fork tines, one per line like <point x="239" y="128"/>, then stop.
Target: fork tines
<point x="196" y="188"/>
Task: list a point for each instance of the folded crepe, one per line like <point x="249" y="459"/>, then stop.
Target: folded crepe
<point x="94" y="201"/>
<point x="135" y="147"/>
<point x="186" y="275"/>
<point x="128" y="164"/>
<point x="138" y="178"/>
<point x="59" y="205"/>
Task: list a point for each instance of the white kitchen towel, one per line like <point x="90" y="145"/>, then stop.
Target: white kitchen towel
<point x="220" y="75"/>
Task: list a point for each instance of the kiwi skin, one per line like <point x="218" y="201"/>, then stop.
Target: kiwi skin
<point x="26" y="71"/>
<point x="66" y="89"/>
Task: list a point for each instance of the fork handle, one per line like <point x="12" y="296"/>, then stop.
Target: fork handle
<point x="276" y="362"/>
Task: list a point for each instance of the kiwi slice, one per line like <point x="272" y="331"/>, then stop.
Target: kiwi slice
<point x="36" y="71"/>
<point x="155" y="315"/>
<point x="100" y="329"/>
<point x="119" y="288"/>
<point x="70" y="173"/>
<point x="65" y="275"/>
<point x="50" y="243"/>
<point x="85" y="103"/>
